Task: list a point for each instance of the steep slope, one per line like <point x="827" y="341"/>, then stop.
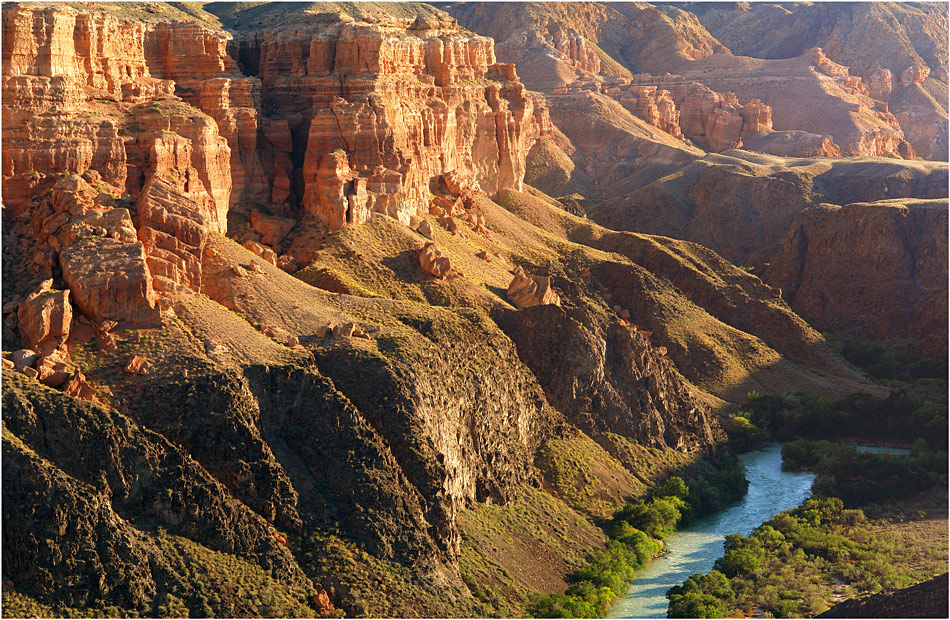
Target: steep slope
<point x="865" y="36"/>
<point x="751" y="208"/>
<point x="587" y="38"/>
<point x="279" y="314"/>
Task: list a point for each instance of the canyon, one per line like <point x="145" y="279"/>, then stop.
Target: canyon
<point x="329" y="304"/>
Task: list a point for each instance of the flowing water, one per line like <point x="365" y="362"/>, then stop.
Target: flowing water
<point x="695" y="548"/>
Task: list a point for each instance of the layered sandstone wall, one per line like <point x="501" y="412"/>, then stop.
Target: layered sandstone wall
<point x="405" y="104"/>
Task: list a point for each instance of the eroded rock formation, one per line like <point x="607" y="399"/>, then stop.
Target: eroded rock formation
<point x="386" y="95"/>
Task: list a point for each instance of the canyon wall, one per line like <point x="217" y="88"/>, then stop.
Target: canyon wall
<point x="404" y="104"/>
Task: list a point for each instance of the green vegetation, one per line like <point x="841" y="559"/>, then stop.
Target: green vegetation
<point x="789" y="566"/>
<point x="879" y="362"/>
<point x="901" y="415"/>
<point x="636" y="532"/>
<point x="861" y="478"/>
<point x="221" y="584"/>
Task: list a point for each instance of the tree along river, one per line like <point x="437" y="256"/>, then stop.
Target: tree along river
<point x="695" y="548"/>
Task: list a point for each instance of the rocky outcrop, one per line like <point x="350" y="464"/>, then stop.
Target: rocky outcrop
<point x="205" y="76"/>
<point x="877" y="269"/>
<point x="527" y="290"/>
<point x="44" y="319"/>
<point x="403" y="105"/>
<point x="794" y="87"/>
<point x="613" y="370"/>
<point x="880" y="84"/>
<point x="173" y="232"/>
<point x="432" y="261"/>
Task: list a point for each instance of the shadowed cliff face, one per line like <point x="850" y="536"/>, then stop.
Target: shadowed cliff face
<point x="235" y="386"/>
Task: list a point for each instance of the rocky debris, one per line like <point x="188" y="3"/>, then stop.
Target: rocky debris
<point x="257" y="268"/>
<point x="914" y="74"/>
<point x="8" y="364"/>
<point x="78" y="387"/>
<point x="30" y="372"/>
<point x="345" y="330"/>
<point x="425" y="229"/>
<point x="287" y="263"/>
<point x="432" y="261"/>
<point x="53" y="370"/>
<point x="530" y="290"/>
<point x="104" y="336"/>
<point x="239" y="271"/>
<point x="110" y="280"/>
<point x="138" y="366"/>
<point x="483" y="255"/>
<point x="321" y="602"/>
<point x="263" y="251"/>
<point x="272" y="229"/>
<point x="449" y="224"/>
<point x="44" y="318"/>
<point x="23" y="358"/>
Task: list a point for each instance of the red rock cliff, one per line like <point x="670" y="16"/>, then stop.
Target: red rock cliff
<point x="405" y="102"/>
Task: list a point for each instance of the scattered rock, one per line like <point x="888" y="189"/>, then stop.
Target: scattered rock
<point x="138" y="366"/>
<point x="272" y="229"/>
<point x="344" y="331"/>
<point x="24" y="358"/>
<point x="30" y="372"/>
<point x="44" y="318"/>
<point x="432" y="261"/>
<point x="239" y="271"/>
<point x="78" y="387"/>
<point x="529" y="290"/>
<point x="257" y="267"/>
<point x="425" y="229"/>
<point x="263" y="251"/>
<point x="287" y="263"/>
<point x="8" y="364"/>
<point x="449" y="224"/>
<point x="484" y="256"/>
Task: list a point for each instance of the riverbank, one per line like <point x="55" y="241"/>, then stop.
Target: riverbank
<point x="800" y="563"/>
<point x="696" y="547"/>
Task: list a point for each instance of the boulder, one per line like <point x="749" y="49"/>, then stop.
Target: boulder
<point x="52" y="370"/>
<point x="425" y="229"/>
<point x="263" y="251"/>
<point x="287" y="263"/>
<point x="528" y="290"/>
<point x="110" y="280"/>
<point x="321" y="602"/>
<point x="78" y="387"/>
<point x="432" y="261"/>
<point x="44" y="318"/>
<point x="138" y="366"/>
<point x="271" y="229"/>
<point x="24" y="358"/>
